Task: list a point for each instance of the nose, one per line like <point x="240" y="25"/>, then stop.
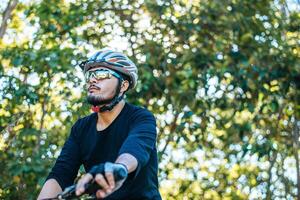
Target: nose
<point x="92" y="80"/>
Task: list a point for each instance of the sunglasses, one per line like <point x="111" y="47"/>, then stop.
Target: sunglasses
<point x="101" y="74"/>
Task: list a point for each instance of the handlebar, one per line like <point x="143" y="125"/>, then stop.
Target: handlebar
<point x="90" y="188"/>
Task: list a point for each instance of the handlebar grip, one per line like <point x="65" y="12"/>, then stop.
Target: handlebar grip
<point x="92" y="187"/>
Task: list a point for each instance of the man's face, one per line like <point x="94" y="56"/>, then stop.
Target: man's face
<point x="101" y="91"/>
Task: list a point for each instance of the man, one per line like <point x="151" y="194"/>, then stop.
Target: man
<point x="118" y="134"/>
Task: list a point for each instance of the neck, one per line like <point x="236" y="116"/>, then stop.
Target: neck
<point x="107" y="117"/>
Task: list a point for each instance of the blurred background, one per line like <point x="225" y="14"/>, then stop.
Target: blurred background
<point x="221" y="77"/>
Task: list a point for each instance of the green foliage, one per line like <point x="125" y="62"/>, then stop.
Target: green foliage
<point x="221" y="77"/>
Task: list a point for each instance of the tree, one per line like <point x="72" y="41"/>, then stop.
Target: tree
<point x="222" y="79"/>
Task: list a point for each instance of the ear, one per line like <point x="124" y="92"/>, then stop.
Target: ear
<point x="124" y="86"/>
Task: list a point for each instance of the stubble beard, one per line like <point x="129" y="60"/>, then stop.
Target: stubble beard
<point x="100" y="100"/>
<point x="97" y="100"/>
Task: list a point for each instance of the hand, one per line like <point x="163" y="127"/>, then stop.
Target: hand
<point x="104" y="175"/>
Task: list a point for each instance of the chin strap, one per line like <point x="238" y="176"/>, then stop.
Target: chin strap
<point x="116" y="99"/>
<point x="110" y="106"/>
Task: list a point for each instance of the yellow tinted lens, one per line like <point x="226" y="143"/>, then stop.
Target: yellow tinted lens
<point x="98" y="74"/>
<point x="101" y="74"/>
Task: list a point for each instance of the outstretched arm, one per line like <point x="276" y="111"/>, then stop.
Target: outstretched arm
<point x="128" y="160"/>
<point x="50" y="189"/>
<point x="107" y="181"/>
<point x="65" y="169"/>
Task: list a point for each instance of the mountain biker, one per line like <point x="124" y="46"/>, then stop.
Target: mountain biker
<point x="117" y="134"/>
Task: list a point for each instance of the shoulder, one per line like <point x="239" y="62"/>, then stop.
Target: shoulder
<point x="138" y="113"/>
<point x="138" y="110"/>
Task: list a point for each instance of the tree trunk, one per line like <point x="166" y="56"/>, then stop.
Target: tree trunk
<point x="44" y="112"/>
<point x="6" y="16"/>
<point x="272" y="160"/>
<point x="296" y="154"/>
<point x="170" y="136"/>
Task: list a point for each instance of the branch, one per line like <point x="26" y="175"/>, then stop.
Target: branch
<point x="171" y="135"/>
<point x="9" y="129"/>
<point x="295" y="134"/>
<point x="6" y="16"/>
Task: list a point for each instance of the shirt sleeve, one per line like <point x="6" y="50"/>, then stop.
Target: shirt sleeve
<point x="141" y="139"/>
<point x="67" y="164"/>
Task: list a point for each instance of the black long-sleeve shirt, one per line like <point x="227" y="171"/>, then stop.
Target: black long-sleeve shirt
<point x="133" y="132"/>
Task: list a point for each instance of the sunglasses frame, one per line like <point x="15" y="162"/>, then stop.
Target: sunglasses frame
<point x="101" y="74"/>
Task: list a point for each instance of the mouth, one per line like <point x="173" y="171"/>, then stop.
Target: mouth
<point x="93" y="89"/>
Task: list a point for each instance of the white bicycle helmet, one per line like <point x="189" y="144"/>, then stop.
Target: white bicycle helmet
<point x="113" y="60"/>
